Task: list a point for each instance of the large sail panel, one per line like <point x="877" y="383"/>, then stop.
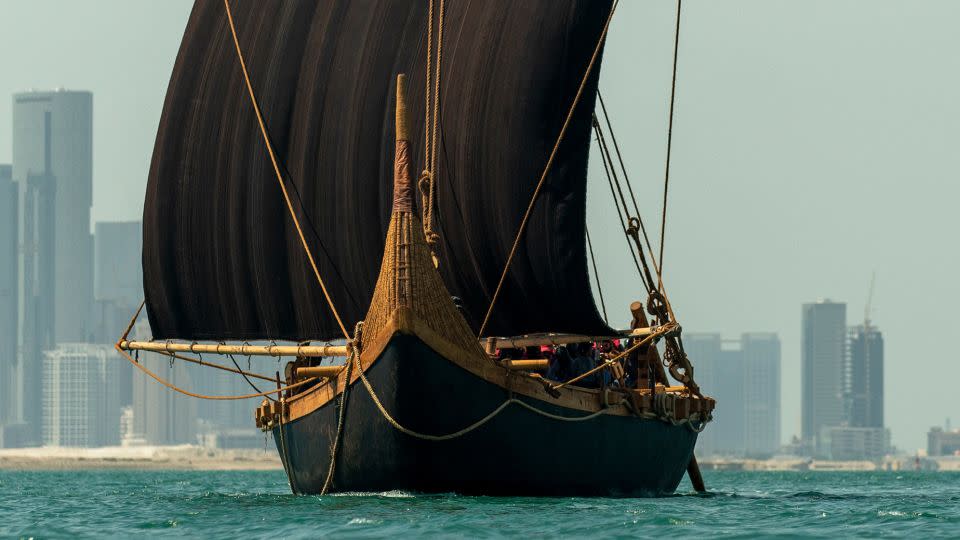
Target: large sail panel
<point x="221" y="257"/>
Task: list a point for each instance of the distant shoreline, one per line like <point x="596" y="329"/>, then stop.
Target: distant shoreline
<point x="182" y="458"/>
<point x="888" y="463"/>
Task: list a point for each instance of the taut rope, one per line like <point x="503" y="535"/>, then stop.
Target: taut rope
<point x="276" y="170"/>
<point x="427" y="183"/>
<point x="596" y="274"/>
<point x="666" y="174"/>
<point x="549" y="165"/>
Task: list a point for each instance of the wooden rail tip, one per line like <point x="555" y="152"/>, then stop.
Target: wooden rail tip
<point x="402" y="134"/>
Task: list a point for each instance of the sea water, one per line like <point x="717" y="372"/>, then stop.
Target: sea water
<point x="258" y="504"/>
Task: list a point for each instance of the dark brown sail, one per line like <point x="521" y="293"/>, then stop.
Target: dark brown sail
<point x="221" y="258"/>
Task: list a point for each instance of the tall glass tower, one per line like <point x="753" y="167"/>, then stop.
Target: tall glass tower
<point x="823" y="359"/>
<point x="53" y="170"/>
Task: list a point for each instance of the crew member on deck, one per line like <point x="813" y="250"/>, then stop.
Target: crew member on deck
<point x="561" y="365"/>
<point x="584" y="362"/>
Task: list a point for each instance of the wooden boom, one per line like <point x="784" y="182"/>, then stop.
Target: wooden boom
<point x="242" y="350"/>
<point x="490" y="344"/>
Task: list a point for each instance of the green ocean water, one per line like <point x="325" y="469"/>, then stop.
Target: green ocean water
<point x="258" y="504"/>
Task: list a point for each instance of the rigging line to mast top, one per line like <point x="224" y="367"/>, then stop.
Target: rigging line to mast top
<point x="623" y="223"/>
<point x="626" y="177"/>
<point x="596" y="275"/>
<point x="673" y="94"/>
<point x="548" y="166"/>
<point x="427" y="183"/>
<point x="276" y="169"/>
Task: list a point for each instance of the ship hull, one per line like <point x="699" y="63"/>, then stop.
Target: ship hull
<point x="517" y="452"/>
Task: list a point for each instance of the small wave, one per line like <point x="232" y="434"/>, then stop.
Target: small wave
<point x="364" y="521"/>
<point x="392" y="494"/>
<point x="821" y="496"/>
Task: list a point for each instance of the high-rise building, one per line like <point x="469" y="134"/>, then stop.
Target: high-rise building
<point x="53" y="136"/>
<point x="823" y="355"/>
<point x="117" y="270"/>
<point x="160" y="415"/>
<point x="744" y="377"/>
<point x="704" y="353"/>
<point x="761" y="396"/>
<point x="81" y="405"/>
<point x="9" y="226"/>
<point x="36" y="291"/>
<point x="53" y="170"/>
<point x="118" y="288"/>
<point x="865" y="377"/>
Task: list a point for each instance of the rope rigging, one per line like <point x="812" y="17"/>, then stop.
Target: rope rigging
<point x="623" y="223"/>
<point x="626" y="178"/>
<point x="596" y="274"/>
<point x="673" y="94"/>
<point x="658" y="304"/>
<point x="548" y="166"/>
<point x="427" y="182"/>
<point x="629" y="222"/>
<point x="276" y="170"/>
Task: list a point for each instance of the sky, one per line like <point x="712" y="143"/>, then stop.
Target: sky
<point x="815" y="143"/>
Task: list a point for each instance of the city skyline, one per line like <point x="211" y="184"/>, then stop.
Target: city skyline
<point x="861" y="133"/>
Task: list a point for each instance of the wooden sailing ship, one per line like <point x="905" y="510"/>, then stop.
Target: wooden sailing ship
<point x="423" y="397"/>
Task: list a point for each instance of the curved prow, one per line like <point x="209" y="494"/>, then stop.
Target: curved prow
<point x="410" y="297"/>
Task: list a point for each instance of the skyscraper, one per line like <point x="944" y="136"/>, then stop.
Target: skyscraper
<point x="704" y="353"/>
<point x="53" y="170"/>
<point x="744" y="377"/>
<point x="53" y="136"/>
<point x="117" y="290"/>
<point x="822" y="358"/>
<point x="761" y="396"/>
<point x="9" y="227"/>
<point x="80" y="396"/>
<point x="118" y="276"/>
<point x="160" y="415"/>
<point x="865" y="372"/>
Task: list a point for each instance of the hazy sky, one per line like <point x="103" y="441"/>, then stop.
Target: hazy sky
<point x="815" y="142"/>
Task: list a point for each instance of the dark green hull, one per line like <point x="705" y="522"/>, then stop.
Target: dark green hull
<point x="519" y="452"/>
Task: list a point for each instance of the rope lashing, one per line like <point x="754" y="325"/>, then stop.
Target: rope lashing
<point x="276" y="170"/>
<point x="548" y="166"/>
